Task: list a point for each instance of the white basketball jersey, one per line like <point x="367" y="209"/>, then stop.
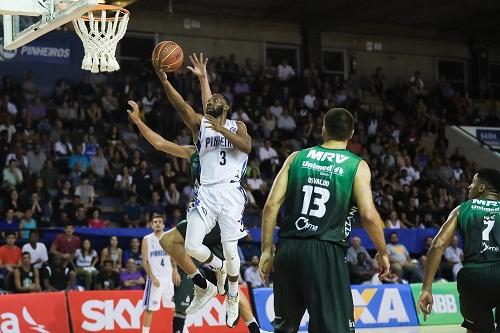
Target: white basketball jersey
<point x="220" y="162"/>
<point x="158" y="259"/>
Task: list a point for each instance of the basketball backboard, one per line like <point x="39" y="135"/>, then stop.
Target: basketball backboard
<point x="26" y="20"/>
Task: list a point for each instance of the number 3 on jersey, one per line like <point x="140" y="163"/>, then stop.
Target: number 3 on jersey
<point x="222" y="157"/>
<point x="321" y="197"/>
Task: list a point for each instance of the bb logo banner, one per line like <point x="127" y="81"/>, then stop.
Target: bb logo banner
<point x="37" y="312"/>
<point x="446" y="308"/>
<point x="383" y="306"/>
<point x="121" y="311"/>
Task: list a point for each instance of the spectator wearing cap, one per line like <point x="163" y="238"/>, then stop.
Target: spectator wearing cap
<point x="58" y="276"/>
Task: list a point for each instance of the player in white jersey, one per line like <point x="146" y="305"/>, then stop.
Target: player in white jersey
<point x="158" y="266"/>
<point x="223" y="146"/>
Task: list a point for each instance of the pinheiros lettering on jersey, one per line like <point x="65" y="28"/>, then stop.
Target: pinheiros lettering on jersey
<point x="330" y="157"/>
<point x="157" y="253"/>
<point x="316" y="181"/>
<point x="217" y="141"/>
<point x="325" y="168"/>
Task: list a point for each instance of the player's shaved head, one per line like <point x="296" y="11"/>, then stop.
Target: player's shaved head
<point x="338" y="124"/>
<point x="491" y="178"/>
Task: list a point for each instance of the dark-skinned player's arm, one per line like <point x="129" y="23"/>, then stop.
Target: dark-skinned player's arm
<point x="270" y="215"/>
<point x="188" y="115"/>
<point x="370" y="218"/>
<point x="199" y="69"/>
<point x="434" y="256"/>
<point x="240" y="140"/>
<point x="155" y="139"/>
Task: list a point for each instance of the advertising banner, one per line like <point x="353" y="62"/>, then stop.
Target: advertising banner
<point x="40" y="51"/>
<point x="446" y="308"/>
<point x="34" y="312"/>
<point x="374" y="306"/>
<point x="488" y="135"/>
<point x="121" y="312"/>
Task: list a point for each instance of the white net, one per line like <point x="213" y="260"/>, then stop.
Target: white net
<point x="100" y="35"/>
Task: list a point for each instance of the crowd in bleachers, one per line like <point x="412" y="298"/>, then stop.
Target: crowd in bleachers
<point x="72" y="158"/>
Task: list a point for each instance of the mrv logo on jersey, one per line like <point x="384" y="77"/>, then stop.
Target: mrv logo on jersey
<point x="330" y="157"/>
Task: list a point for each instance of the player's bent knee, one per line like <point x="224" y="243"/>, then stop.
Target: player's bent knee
<point x="232" y="258"/>
<point x="170" y="239"/>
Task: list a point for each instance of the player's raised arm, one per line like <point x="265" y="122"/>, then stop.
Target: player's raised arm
<point x="270" y="214"/>
<point x="155" y="139"/>
<point x="369" y="216"/>
<point x="199" y="69"/>
<point x="145" y="263"/>
<point x="439" y="244"/>
<point x="188" y="115"/>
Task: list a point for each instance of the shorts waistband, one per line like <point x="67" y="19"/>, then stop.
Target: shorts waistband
<point x="222" y="185"/>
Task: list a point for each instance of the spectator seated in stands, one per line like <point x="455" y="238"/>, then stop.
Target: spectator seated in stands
<point x="57" y="275"/>
<point x="65" y="245"/>
<point x="9" y="223"/>
<point x="134" y="252"/>
<point x="132" y="212"/>
<point x="12" y="176"/>
<point x="85" y="261"/>
<point x="249" y="248"/>
<point x="27" y="277"/>
<point x="96" y="221"/>
<point x="107" y="279"/>
<point x="27" y="224"/>
<point x="112" y="253"/>
<point x="154" y="206"/>
<point x="363" y="271"/>
<point x="454" y="257"/>
<point x="131" y="278"/>
<point x="37" y="250"/>
<point x="400" y="257"/>
<point x="10" y="259"/>
<point x="252" y="275"/>
<point x="355" y="249"/>
<point x="78" y="158"/>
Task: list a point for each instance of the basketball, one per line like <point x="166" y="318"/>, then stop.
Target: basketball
<point x="168" y="55"/>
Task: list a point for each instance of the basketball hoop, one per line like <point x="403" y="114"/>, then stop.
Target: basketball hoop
<point x="100" y="35"/>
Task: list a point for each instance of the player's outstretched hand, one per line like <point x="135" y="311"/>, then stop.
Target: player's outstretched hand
<point x="199" y="67"/>
<point x="266" y="266"/>
<point x="384" y="265"/>
<point x="213" y="123"/>
<point x="162" y="75"/>
<point x="134" y="114"/>
<point x="425" y="303"/>
<point x="176" y="278"/>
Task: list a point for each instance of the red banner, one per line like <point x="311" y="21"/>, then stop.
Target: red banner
<point x="35" y="312"/>
<point x="121" y="311"/>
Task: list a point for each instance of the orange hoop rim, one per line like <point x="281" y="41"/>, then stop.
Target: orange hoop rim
<point x="107" y="7"/>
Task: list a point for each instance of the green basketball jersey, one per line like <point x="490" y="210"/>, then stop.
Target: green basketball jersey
<point x="479" y="226"/>
<point x="318" y="202"/>
<point x="195" y="168"/>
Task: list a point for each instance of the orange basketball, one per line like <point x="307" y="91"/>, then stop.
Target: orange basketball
<point x="168" y="55"/>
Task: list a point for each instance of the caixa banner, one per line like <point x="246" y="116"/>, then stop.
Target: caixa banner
<point x="35" y="312"/>
<point x="374" y="306"/>
<point x="121" y="312"/>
